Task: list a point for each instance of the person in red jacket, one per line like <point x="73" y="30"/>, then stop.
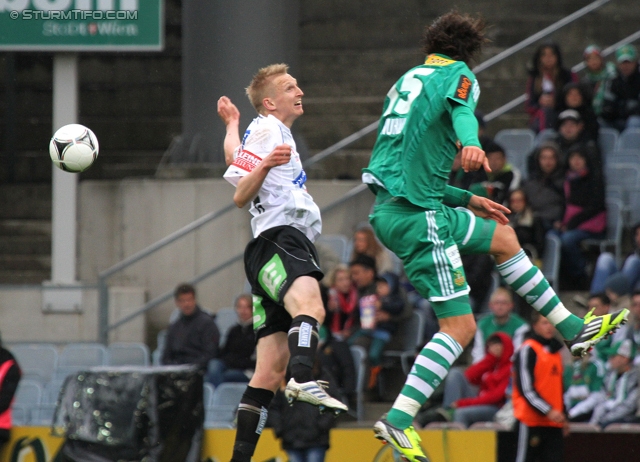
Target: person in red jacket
<point x="9" y="378"/>
<point x="477" y="395"/>
<point x="537" y="395"/>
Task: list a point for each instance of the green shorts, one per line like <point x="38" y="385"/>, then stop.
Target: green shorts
<point x="429" y="243"/>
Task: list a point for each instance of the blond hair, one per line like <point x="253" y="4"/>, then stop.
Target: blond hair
<point x="259" y="86"/>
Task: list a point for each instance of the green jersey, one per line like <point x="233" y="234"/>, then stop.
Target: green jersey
<point x="416" y="143"/>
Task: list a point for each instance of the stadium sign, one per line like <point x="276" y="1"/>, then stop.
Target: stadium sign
<point x="81" y="25"/>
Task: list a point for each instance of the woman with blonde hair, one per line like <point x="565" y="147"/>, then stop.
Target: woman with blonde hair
<point x="366" y="243"/>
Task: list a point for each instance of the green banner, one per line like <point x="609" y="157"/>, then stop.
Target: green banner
<point x="81" y="25"/>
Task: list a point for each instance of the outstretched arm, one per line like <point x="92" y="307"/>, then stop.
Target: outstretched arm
<point x="230" y="115"/>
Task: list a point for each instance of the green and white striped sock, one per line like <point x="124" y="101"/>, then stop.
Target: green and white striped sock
<point x="429" y="370"/>
<point x="528" y="282"/>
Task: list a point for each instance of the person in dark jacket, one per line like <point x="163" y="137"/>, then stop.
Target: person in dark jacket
<point x="302" y="429"/>
<point x="335" y="356"/>
<point x="380" y="303"/>
<point x="545" y="187"/>
<point x="194" y="337"/>
<point x="585" y="216"/>
<point x="578" y="96"/>
<point x="502" y="178"/>
<point x="572" y="133"/>
<point x="621" y="105"/>
<point x="236" y="361"/>
<point x="9" y="378"/>
<point x="526" y="224"/>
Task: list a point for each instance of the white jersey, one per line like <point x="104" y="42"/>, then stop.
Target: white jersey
<point x="283" y="198"/>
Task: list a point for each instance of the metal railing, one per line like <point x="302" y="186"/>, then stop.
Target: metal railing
<point x="103" y="289"/>
<point x="104" y="327"/>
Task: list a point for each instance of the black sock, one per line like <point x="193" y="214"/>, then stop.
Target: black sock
<point x="252" y="416"/>
<point x="303" y="344"/>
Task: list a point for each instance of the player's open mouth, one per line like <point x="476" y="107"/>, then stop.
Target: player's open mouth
<point x="298" y="103"/>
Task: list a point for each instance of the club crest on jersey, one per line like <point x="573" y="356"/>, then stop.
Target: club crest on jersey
<point x="464" y="85"/>
<point x="301" y="179"/>
<point x="246" y="160"/>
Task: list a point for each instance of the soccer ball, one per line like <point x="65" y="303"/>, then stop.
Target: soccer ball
<point x="73" y="148"/>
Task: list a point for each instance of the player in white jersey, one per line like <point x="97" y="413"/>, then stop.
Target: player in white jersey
<point x="281" y="260"/>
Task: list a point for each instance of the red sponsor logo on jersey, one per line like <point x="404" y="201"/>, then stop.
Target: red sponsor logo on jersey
<point x="464" y="85"/>
<point x="246" y="160"/>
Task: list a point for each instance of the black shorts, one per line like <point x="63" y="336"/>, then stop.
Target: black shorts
<point x="272" y="261"/>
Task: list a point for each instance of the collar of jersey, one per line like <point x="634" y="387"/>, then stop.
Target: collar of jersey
<point x="435" y="59"/>
<point x="273" y="118"/>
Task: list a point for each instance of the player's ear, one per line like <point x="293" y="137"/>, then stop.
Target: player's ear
<point x="268" y="104"/>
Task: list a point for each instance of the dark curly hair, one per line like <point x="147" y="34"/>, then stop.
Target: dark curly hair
<point x="458" y="36"/>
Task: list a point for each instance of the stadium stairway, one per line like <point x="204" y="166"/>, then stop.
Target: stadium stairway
<point x="25" y="233"/>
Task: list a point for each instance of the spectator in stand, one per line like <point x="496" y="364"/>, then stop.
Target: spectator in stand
<point x="526" y="224"/>
<point x="617" y="288"/>
<point x="500" y="319"/>
<point x="366" y="243"/>
<point x="585" y="216"/>
<point x="236" y="362"/>
<point x="620" y="386"/>
<point x="9" y="378"/>
<point x="194" y="337"/>
<point x="621" y="104"/>
<point x="572" y="135"/>
<point x="577" y="96"/>
<point x="583" y="383"/>
<point x="502" y="178"/>
<point x="478" y="393"/>
<point x="600" y="303"/>
<point x="606" y="266"/>
<point x="537" y="395"/>
<point x="633" y="329"/>
<point x="378" y="311"/>
<point x="547" y="77"/>
<point x="597" y="72"/>
<point x="302" y="429"/>
<point x="545" y="187"/>
<point x="341" y="303"/>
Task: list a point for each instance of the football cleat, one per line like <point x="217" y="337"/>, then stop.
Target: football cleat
<point x="406" y="442"/>
<point x="595" y="329"/>
<point x="313" y="393"/>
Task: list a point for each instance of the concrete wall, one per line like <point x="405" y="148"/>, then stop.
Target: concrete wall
<point x="23" y="320"/>
<point x="117" y="219"/>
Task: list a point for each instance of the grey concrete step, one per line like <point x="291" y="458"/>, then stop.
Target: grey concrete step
<point x="15" y="227"/>
<point x="25" y="245"/>
<point x="25" y="262"/>
<point x="24" y="276"/>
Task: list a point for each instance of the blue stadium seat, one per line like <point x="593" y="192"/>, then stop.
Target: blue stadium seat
<point x="127" y="354"/>
<point x="629" y="139"/>
<point x="518" y="144"/>
<point x="37" y="361"/>
<point x="607" y="139"/>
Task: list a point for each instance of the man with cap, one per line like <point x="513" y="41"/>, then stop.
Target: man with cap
<point x="597" y="72"/>
<point x="621" y="387"/>
<point x="621" y="104"/>
<point x="571" y="135"/>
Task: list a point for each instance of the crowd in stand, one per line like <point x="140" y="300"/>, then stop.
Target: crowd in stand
<point x="366" y="300"/>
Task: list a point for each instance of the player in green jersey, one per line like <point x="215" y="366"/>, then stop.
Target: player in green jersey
<point x="427" y="115"/>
